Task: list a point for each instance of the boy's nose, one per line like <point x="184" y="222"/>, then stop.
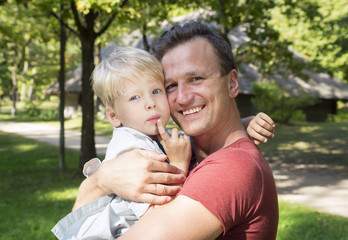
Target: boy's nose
<point x="150" y="104"/>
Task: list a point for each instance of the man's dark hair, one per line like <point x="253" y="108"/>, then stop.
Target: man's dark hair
<point x="181" y="34"/>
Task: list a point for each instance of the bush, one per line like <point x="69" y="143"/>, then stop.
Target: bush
<point x="31" y="108"/>
<point x="48" y="114"/>
<point x="274" y="100"/>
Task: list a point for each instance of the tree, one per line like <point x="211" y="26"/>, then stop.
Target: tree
<point x="27" y="49"/>
<point x="15" y="45"/>
<point x="85" y="14"/>
<point x="322" y="37"/>
<point x="61" y="80"/>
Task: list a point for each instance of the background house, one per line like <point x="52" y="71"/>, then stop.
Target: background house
<point x="73" y="88"/>
<point x="328" y="90"/>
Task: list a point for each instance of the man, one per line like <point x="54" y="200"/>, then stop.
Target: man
<point x="231" y="193"/>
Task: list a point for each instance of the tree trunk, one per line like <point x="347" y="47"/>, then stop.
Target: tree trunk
<point x="97" y="60"/>
<point x="23" y="89"/>
<point x="61" y="80"/>
<point x="25" y="71"/>
<point x="87" y="150"/>
<point x="31" y="85"/>
<point x="31" y="89"/>
<point x="14" y="91"/>
<point x="145" y="41"/>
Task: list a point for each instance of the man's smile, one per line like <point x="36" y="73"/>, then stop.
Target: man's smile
<point x="192" y="110"/>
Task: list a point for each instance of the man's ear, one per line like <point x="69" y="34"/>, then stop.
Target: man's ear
<point x="233" y="85"/>
<point x="112" y="117"/>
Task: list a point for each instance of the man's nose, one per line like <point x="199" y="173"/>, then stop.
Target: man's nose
<point x="183" y="94"/>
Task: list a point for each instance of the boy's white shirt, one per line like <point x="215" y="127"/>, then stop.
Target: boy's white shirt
<point x="93" y="219"/>
<point x="124" y="144"/>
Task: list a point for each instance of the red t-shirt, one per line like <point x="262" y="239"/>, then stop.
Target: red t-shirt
<point x="237" y="186"/>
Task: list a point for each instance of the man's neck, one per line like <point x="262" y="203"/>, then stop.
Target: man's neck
<point x="225" y="136"/>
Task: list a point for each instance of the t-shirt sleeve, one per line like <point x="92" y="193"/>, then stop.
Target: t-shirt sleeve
<point x="228" y="184"/>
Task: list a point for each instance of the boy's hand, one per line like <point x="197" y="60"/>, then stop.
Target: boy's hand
<point x="260" y="128"/>
<point x="177" y="147"/>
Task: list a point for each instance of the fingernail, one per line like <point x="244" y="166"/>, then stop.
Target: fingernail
<point x="265" y="140"/>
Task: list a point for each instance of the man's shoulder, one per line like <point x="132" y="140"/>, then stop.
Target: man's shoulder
<point x="239" y="150"/>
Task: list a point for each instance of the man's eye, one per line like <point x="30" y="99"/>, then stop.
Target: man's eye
<point x="197" y="78"/>
<point x="133" y="98"/>
<point x="170" y="87"/>
<point x="156" y="91"/>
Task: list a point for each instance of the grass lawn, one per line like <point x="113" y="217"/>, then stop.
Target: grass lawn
<point x="322" y="146"/>
<point x="34" y="195"/>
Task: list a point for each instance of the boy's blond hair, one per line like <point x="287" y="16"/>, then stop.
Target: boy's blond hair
<point x="125" y="64"/>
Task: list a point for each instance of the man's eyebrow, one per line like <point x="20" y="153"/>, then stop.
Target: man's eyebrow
<point x="188" y="74"/>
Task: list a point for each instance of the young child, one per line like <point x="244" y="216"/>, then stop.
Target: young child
<point x="130" y="83"/>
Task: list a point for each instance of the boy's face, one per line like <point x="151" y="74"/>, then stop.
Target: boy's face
<point x="141" y="105"/>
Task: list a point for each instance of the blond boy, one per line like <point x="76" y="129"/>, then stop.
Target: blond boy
<point x="130" y="83"/>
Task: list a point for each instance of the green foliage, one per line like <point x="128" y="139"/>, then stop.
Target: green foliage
<point x="275" y="101"/>
<point x="31" y="108"/>
<point x="322" y="38"/>
<point x="342" y="113"/>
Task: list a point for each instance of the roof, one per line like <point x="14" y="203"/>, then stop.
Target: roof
<point x="319" y="85"/>
<point x="73" y="83"/>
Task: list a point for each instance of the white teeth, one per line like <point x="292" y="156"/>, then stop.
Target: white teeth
<point x="193" y="110"/>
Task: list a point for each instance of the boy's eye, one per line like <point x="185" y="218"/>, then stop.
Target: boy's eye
<point x="134" y="97"/>
<point x="156" y="91"/>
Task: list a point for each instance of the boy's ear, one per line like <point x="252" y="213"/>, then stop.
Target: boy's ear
<point x="112" y="117"/>
<point x="233" y="85"/>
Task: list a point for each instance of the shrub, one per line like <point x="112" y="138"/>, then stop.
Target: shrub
<point x="31" y="108"/>
<point x="274" y="100"/>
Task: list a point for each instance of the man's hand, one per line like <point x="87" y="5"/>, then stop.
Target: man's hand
<point x="260" y="128"/>
<point x="140" y="175"/>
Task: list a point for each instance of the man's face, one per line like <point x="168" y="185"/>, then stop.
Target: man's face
<point x="197" y="94"/>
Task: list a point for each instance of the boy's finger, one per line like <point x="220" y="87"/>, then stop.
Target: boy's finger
<point x="162" y="132"/>
<point x="268" y="119"/>
<point x="258" y="137"/>
<point x="264" y="125"/>
<point x="175" y="133"/>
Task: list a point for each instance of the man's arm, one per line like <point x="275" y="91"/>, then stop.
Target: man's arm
<point x="183" y="218"/>
<point x="137" y="175"/>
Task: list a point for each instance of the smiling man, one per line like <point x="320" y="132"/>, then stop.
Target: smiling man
<point x="230" y="194"/>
